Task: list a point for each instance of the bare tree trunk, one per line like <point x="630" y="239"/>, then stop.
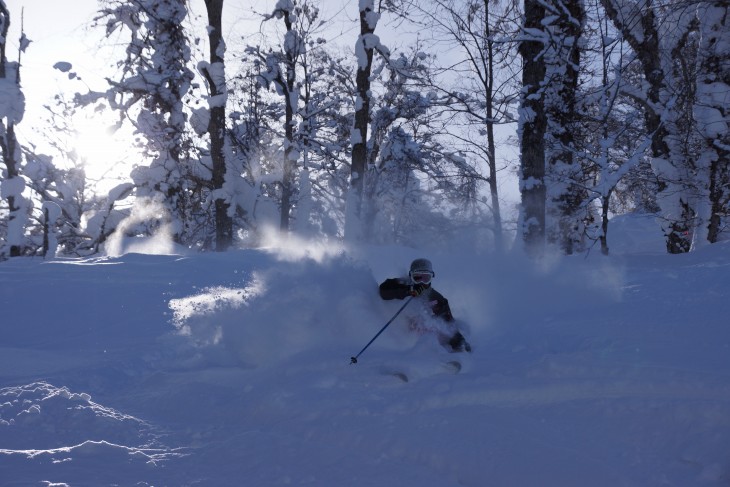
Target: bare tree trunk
<point x="362" y="120"/>
<point x="471" y="26"/>
<point x="605" y="200"/>
<point x="287" y="183"/>
<point x="491" y="145"/>
<point x="532" y="135"/>
<point x="719" y="195"/>
<point x="46" y="232"/>
<point x="4" y="29"/>
<point x="217" y="124"/>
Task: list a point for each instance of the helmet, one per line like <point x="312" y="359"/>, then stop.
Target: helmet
<point x="421" y="265"/>
<point x="421" y="271"/>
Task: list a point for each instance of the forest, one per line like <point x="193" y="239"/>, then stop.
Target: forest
<point x="407" y="128"/>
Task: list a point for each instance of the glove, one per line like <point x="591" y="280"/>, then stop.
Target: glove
<point x="459" y="344"/>
<point x="417" y="289"/>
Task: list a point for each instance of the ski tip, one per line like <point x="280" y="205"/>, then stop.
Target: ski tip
<point x="453" y="366"/>
<point x="400" y="375"/>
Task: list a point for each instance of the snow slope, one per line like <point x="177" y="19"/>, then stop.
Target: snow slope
<point x="233" y="369"/>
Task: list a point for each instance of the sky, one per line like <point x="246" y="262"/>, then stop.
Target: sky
<point x="151" y="367"/>
<point x="58" y="33"/>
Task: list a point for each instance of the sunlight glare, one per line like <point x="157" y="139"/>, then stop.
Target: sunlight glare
<point x="100" y="147"/>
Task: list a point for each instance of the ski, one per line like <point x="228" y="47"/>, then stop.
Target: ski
<point x="449" y="366"/>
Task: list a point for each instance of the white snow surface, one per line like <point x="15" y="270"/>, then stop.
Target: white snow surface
<point x="234" y="369"/>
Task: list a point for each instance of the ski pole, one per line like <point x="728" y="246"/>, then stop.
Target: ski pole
<point x="353" y="360"/>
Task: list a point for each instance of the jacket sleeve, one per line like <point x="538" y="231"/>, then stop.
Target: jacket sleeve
<point x="441" y="308"/>
<point x="394" y="289"/>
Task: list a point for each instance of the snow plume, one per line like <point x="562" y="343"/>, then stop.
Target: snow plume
<point x="194" y="315"/>
<point x="149" y="218"/>
<point x="291" y="247"/>
<point x="494" y="293"/>
<point x="281" y="311"/>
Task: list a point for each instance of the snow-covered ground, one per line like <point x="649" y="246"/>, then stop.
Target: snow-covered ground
<point x="234" y="369"/>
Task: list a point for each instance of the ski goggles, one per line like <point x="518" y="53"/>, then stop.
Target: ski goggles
<point x="421" y="277"/>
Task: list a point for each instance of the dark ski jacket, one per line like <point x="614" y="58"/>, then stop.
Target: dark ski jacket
<point x="400" y="288"/>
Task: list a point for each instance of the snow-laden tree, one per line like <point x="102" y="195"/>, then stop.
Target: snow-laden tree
<point x="416" y="184"/>
<point x="58" y="185"/>
<point x="12" y="108"/>
<point x="595" y="136"/>
<point x="676" y="46"/>
<point x="552" y="181"/>
<point x="285" y="81"/>
<point x="286" y="71"/>
<point x="532" y="129"/>
<point x="366" y="45"/>
<point x="386" y="171"/>
<point x="566" y="195"/>
<point x="149" y="90"/>
<point x="313" y="107"/>
<point x="609" y="135"/>
<point x="392" y="109"/>
<point x="324" y="134"/>
<point x="64" y="189"/>
<point x="250" y="137"/>
<point x="658" y="34"/>
<point x="69" y="219"/>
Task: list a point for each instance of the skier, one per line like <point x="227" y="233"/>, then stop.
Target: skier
<point x="418" y="284"/>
